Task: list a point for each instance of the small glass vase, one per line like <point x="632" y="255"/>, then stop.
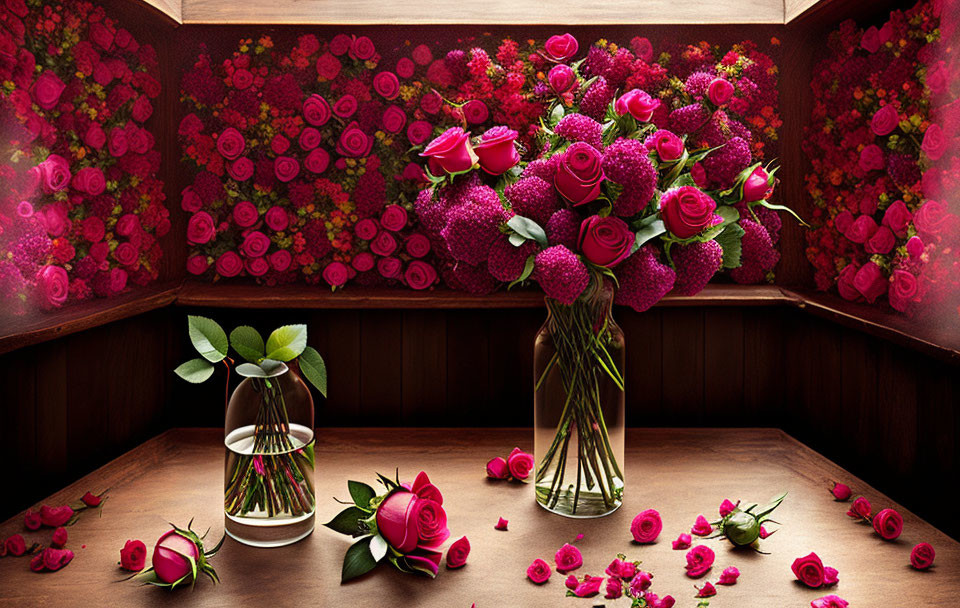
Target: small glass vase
<point x="269" y="496"/>
<point x="579" y="405"/>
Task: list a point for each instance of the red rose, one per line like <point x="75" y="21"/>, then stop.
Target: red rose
<point x="362" y="48"/>
<point x="353" y="142"/>
<point x="197" y="264"/>
<point x="240" y="169"/>
<point x="387" y="85"/>
<point x="89" y="180"/>
<point x="405" y="67"/>
<point x="561" y="78"/>
<point x="317" y="161"/>
<point x="54" y="517"/>
<point x="229" y="264"/>
<point x="922" y="556"/>
<point x="809" y="570"/>
<point x="646" y="526"/>
<point x="345" y="106"/>
<point x="335" y="274"/>
<point x="280" y="260"/>
<point x="841" y="491"/>
<point x="861" y="229"/>
<point x="888" y="524"/>
<point x="141" y="109"/>
<point x="316" y="110"/>
<point x="59" y="538"/>
<point x="117" y="142"/>
<point x="419" y="275"/>
<point x="934" y="142"/>
<point x="328" y="66"/>
<point x="897" y="217"/>
<point x="669" y="147"/>
<point x="133" y="556"/>
<point x="870" y="282"/>
<point x="255" y="244"/>
<point x="881" y="242"/>
<point x="15" y="545"/>
<point x="871" y="158"/>
<point x="757" y="186"/>
<point x="720" y="91"/>
<point x="256" y="267"/>
<point x="394" y="218"/>
<point x="32" y="520"/>
<point x="230" y="144"/>
<point x="418" y="245"/>
<point x="458" y="552"/>
<point x="475" y="112"/>
<point x="277" y="218"/>
<point x="568" y="558"/>
<point x="366" y="229"/>
<point x="280" y="144"/>
<point x="497" y="151"/>
<point x="605" y="241"/>
<point x="419" y="131"/>
<point x="450" y="153"/>
<point x="245" y="214"/>
<point x="560" y="47"/>
<point x="638" y="104"/>
<point x="95" y="137"/>
<point x="520" y="464"/>
<point x="242" y="78"/>
<point x="394" y="119"/>
<point x="699" y="561"/>
<point x="686" y="211"/>
<point x="579" y="174"/>
<point x="93" y="229"/>
<point x="286" y="168"/>
<point x="931" y="219"/>
<point x="384" y="244"/>
<point x="200" y="228"/>
<point x="885" y="120"/>
<point x="127" y="225"/>
<point x="47" y="90"/>
<point x="389" y="267"/>
<point x="126" y="254"/>
<point x="431" y="102"/>
<point x="55" y="173"/>
<point x="497" y="468"/>
<point x="904" y="288"/>
<point x="363" y="261"/>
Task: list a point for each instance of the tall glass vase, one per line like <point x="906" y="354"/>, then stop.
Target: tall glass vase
<point x="269" y="496"/>
<point x="579" y="406"/>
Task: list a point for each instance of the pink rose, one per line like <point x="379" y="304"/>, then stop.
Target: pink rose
<point x="450" y="153"/>
<point x="394" y="218"/>
<point x="888" y="524"/>
<point x="389" y="268"/>
<point x="897" y="217"/>
<point x="922" y="555"/>
<point x="458" y="552"/>
<point x="683" y="542"/>
<point x="394" y="119"/>
<point x="646" y="526"/>
<point x="861" y="229"/>
<point x="240" y="169"/>
<point x="699" y="561"/>
<point x="903" y="290"/>
<point x="841" y="491"/>
<point x="881" y="242"/>
<point x="475" y="112"/>
<point x="345" y="106"/>
<point x="229" y="264"/>
<point x="126" y="254"/>
<point x="353" y="142"/>
<point x="89" y="180"/>
<point x="686" y="211"/>
<point x="55" y="173"/>
<point x="54" y="517"/>
<point x="317" y="161"/>
<point x="520" y="464"/>
<point x="497" y="468"/>
<point x="417" y="245"/>
<point x="561" y="78"/>
<point x="279" y="144"/>
<point x="197" y="264"/>
<point x="280" y="260"/>
<point x="431" y="102"/>
<point x="642" y="48"/>
<point x="726" y="507"/>
<point x="256" y="267"/>
<point x="363" y="261"/>
<point x="638" y="104"/>
<point x="668" y="146"/>
<point x="335" y="274"/>
<point x="568" y="558"/>
<point x="24" y="209"/>
<point x="118" y="143"/>
<point x="230" y="144"/>
<point x="316" y="110"/>
<point x="560" y="47"/>
<point x="190" y="201"/>
<point x="245" y="214"/>
<point x="720" y="91"/>
<point x="362" y="48"/>
<point x="200" y="228"/>
<point x="497" y="151"/>
<point x="539" y="571"/>
<point x="419" y="131"/>
<point x="870" y="282"/>
<point x="419" y="275"/>
<point x="885" y="120"/>
<point x="809" y="570"/>
<point x="47" y="90"/>
<point x="387" y="85"/>
<point x="255" y="244"/>
<point x="870" y="41"/>
<point x="829" y="601"/>
<point x="860" y="509"/>
<point x="605" y="241"/>
<point x="366" y="229"/>
<point x="54" y="285"/>
<point x="309" y="139"/>
<point x="614" y="588"/>
<point x="729" y="576"/>
<point x="931" y="219"/>
<point x="405" y="67"/>
<point x="708" y="590"/>
<point x="328" y="66"/>
<point x="93" y="229"/>
<point x="934" y="142"/>
<point x="915" y="247"/>
<point x="242" y="78"/>
<point x="589" y="587"/>
<point x="397" y="515"/>
<point x="95" y="137"/>
<point x="757" y="186"/>
<point x="286" y="168"/>
<point x="871" y="158"/>
<point x="277" y="218"/>
<point x="579" y="174"/>
<point x="141" y="109"/>
<point x="118" y="280"/>
<point x="384" y="244"/>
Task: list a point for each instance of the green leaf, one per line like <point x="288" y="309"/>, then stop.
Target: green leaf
<point x="287" y="342"/>
<point x="730" y="241"/>
<point x="195" y="370"/>
<point x="268" y="368"/>
<point x="361" y="493"/>
<point x="528" y="228"/>
<point x="527" y="271"/>
<point x="647" y="232"/>
<point x="517" y="239"/>
<point x="248" y="343"/>
<point x="556" y="114"/>
<point x="770" y="205"/>
<point x="348" y="521"/>
<point x="208" y="338"/>
<point x="378" y="547"/>
<point x="315" y="370"/>
<point x="358" y="560"/>
<point x="769" y="507"/>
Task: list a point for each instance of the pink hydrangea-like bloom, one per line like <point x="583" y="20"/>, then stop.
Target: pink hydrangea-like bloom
<point x="472" y="279"/>
<point x="473" y="225"/>
<point x="724" y="165"/>
<point x="563" y="228"/>
<point x="597" y="99"/>
<point x="534" y="198"/>
<point x="758" y="255"/>
<point x="561" y="274"/>
<point x="688" y="119"/>
<point x="696" y="264"/>
<point x="626" y="162"/>
<point x="577" y="127"/>
<point x="643" y="279"/>
<point x="544" y="168"/>
<point x="698" y="83"/>
<point x="506" y="262"/>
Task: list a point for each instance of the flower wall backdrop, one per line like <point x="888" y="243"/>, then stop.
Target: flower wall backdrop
<point x="307" y="159"/>
<point x="883" y="148"/>
<point x="81" y="208"/>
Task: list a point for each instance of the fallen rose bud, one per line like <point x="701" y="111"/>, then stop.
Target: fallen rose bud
<point x="571" y="582"/>
<point x="922" y="556"/>
<point x="726" y="508"/>
<point x="458" y="552"/>
<point x="699" y="561"/>
<point x="729" y="576"/>
<point x="133" y="556"/>
<point x="614" y="589"/>
<point x="829" y="601"/>
<point x="32" y="520"/>
<point x="831" y="576"/>
<point x="810" y="571"/>
<point x="501" y="524"/>
<point x="683" y="541"/>
<point x="539" y="571"/>
<point x="708" y="590"/>
<point x="59" y="538"/>
<point x="92" y="500"/>
<point x="646" y="526"/>
<point x="54" y="517"/>
<point x="860" y="508"/>
<point x="589" y="587"/>
<point x="702" y="527"/>
<point x="641" y="582"/>
<point x="520" y="464"/>
<point x="741" y="528"/>
<point x="628" y="570"/>
<point x="888" y="524"/>
<point x="179" y="558"/>
<point x="497" y="468"/>
<point x="841" y="491"/>
<point x="36" y="563"/>
<point x="15" y="545"/>
<point x="568" y="558"/>
<point x="54" y="559"/>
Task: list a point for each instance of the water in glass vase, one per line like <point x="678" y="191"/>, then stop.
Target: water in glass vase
<point x="269" y="497"/>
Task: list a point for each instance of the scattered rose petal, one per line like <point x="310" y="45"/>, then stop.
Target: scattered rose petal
<point x="613" y="569"/>
<point x="702" y="527"/>
<point x="829" y="601"/>
<point x="764" y="533"/>
<point x="36" y="563"/>
<point x="831" y="576"/>
<point x="699" y="561"/>
<point x="568" y="558"/>
<point x="628" y="570"/>
<point x="501" y="524"/>
<point x="578" y="538"/>
<point x="497" y="468"/>
<point x="888" y="524"/>
<point x="458" y="552"/>
<point x="860" y="508"/>
<point x="571" y="582"/>
<point x="589" y="587"/>
<point x="614" y="589"/>
<point x="666" y="601"/>
<point x="729" y="576"/>
<point x="922" y="556"/>
<point x="32" y="520"/>
<point x="92" y="500"/>
<point x="59" y="538"/>
<point x="641" y="582"/>
<point x="841" y="491"/>
<point x="133" y="556"/>
<point x="726" y="508"/>
<point x="54" y="517"/>
<point x="708" y="590"/>
<point x="15" y="545"/>
<point x="54" y="559"/>
<point x="539" y="572"/>
<point x="683" y="541"/>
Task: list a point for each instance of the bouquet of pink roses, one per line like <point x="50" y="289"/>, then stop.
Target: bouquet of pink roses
<point x="406" y="526"/>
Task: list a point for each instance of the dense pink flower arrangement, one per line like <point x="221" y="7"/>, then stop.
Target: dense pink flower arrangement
<point x="885" y="162"/>
<point x="81" y="207"/>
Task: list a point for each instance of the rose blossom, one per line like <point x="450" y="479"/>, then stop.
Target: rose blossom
<point x="197" y="264"/>
<point x="383" y="244"/>
<point x="15" y="545"/>
<point x="683" y="541"/>
<point x="568" y="558"/>
<point x="539" y="571"/>
<point x="419" y="131"/>
<point x="230" y="143"/>
<point x="126" y="254"/>
<point x="431" y="102"/>
<point x="870" y="282"/>
<point x="669" y="147"/>
<point x="904" y="288"/>
<point x="245" y="214"/>
<point x="255" y="244"/>
<point x="686" y="211"/>
<point x="55" y="173"/>
<point x="699" y="561"/>
<point x="860" y="508"/>
<point x="316" y="110"/>
<point x="829" y="601"/>
<point x="55" y="286"/>
<point x="118" y="143"/>
<point x="638" y="104"/>
<point x="708" y="590"/>
<point x="317" y="161"/>
<point x="405" y="67"/>
<point x="497" y="151"/>
<point x="720" y="91"/>
<point x="561" y="79"/>
<point x="726" y="507"/>
<point x="95" y="137"/>
<point x="579" y="174"/>
<point x="897" y="217"/>
<point x="497" y="468"/>
<point x="701" y="527"/>
<point x="614" y="589"/>
<point x="841" y="491"/>
<point x="240" y="169"/>
<point x="47" y="90"/>
<point x="922" y="555"/>
<point x="934" y="142"/>
<point x="200" y="228"/>
<point x="345" y="106"/>
<point x="394" y="119"/>
<point x="362" y="48"/>
<point x="757" y="186"/>
<point x="366" y="229"/>
<point x="277" y="218"/>
<point x="286" y="168"/>
<point x="451" y="152"/>
<point x="280" y="260"/>
<point x="89" y="180"/>
<point x="417" y="245"/>
<point x="393" y="218"/>
<point x="242" y="78"/>
<point x="309" y="139"/>
<point x="133" y="556"/>
<point x="59" y="538"/>
<point x="646" y="526"/>
<point x="328" y="66"/>
<point x="885" y="120"/>
<point x="458" y="552"/>
<point x="54" y="517"/>
<point x="871" y="158"/>
<point x="335" y="274"/>
<point x="729" y="576"/>
<point x="810" y="571"/>
<point x="353" y="142"/>
<point x="605" y="241"/>
<point x="387" y="85"/>
<point x="475" y="112"/>
<point x="915" y="247"/>
<point x="229" y="264"/>
<point x="881" y="242"/>
<point x="419" y="275"/>
<point x="888" y="524"/>
<point x="520" y="464"/>
<point x="589" y="587"/>
<point x="560" y="47"/>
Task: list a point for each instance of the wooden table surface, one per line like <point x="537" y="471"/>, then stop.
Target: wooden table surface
<point x="680" y="472"/>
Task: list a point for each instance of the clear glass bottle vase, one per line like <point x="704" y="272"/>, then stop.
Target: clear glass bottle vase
<point x="579" y="406"/>
<point x="269" y="496"/>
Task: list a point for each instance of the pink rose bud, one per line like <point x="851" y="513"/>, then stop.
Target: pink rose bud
<point x="720" y="91"/>
<point x="888" y="524"/>
<point x="708" y="590"/>
<point x="614" y="588"/>
<point x="568" y="558"/>
<point x="32" y="520"/>
<point x="539" y="571"/>
<point x="726" y="508"/>
<point x="571" y="582"/>
<point x="638" y="104"/>
<point x="561" y="78"/>
<point x="501" y="524"/>
<point x="757" y="186"/>
<point x="841" y="491"/>
<point x="497" y="468"/>
<point x="702" y="527"/>
<point x="809" y="570"/>
<point x="860" y="508"/>
<point x="922" y="556"/>
<point x="458" y="552"/>
<point x="915" y="247"/>
<point x="829" y="601"/>
<point x="729" y="576"/>
<point x="497" y="150"/>
<point x="133" y="556"/>
<point x="683" y="542"/>
<point x="59" y="538"/>
<point x="520" y="465"/>
<point x="646" y="526"/>
<point x="450" y="153"/>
